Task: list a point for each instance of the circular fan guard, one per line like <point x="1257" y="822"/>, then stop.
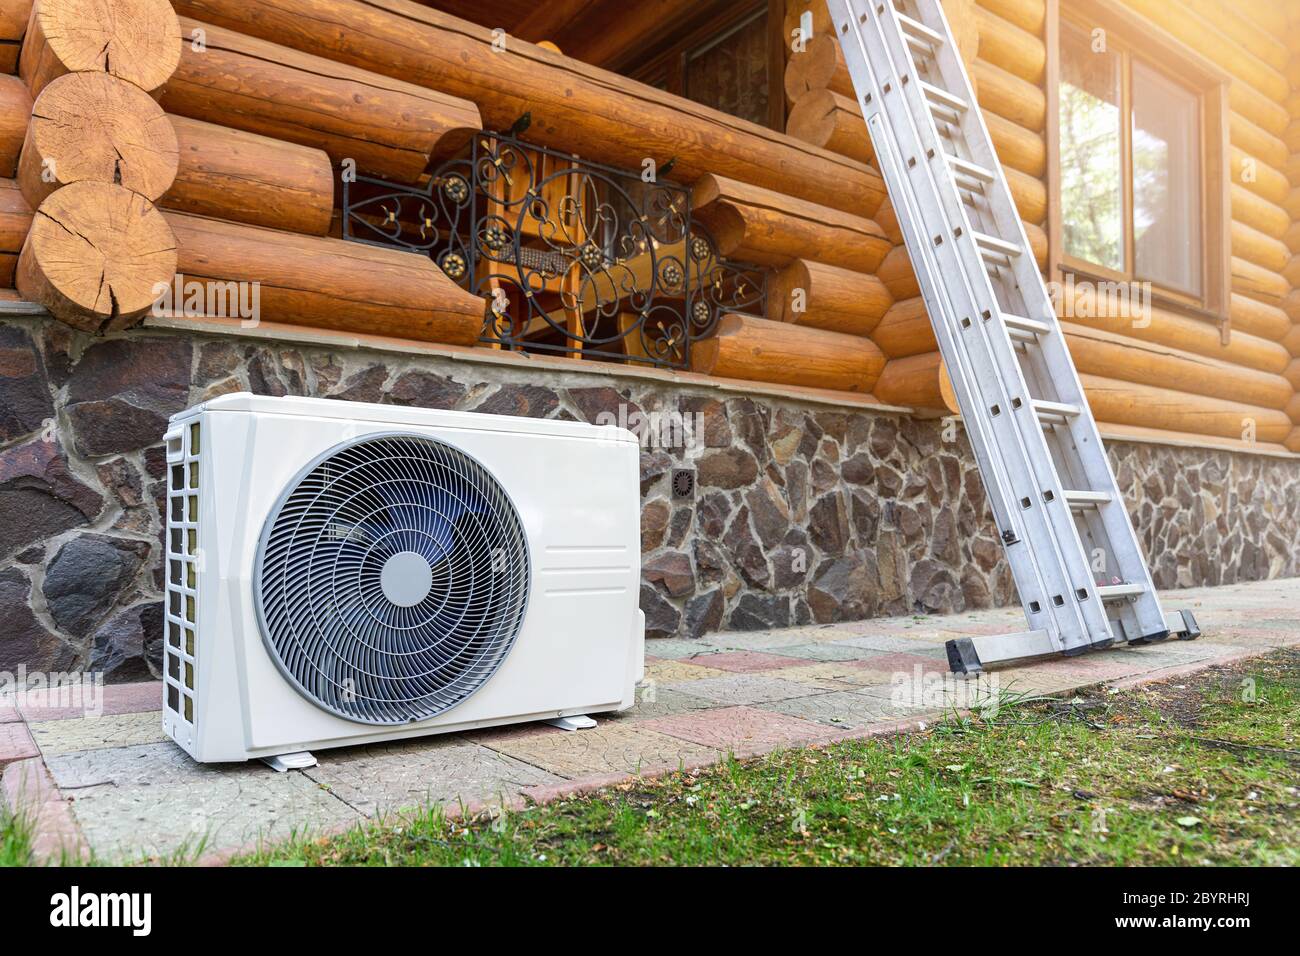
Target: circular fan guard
<point x="391" y="579"/>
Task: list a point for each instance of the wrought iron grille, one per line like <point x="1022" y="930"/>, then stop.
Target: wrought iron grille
<point x="574" y="257"/>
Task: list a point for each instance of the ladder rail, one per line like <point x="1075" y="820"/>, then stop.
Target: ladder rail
<point x="1054" y="364"/>
<point x="1052" y="593"/>
<point x="986" y="342"/>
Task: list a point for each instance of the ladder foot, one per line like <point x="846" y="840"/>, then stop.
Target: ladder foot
<point x="1193" y="629"/>
<point x="1153" y="638"/>
<point x="962" y="656"/>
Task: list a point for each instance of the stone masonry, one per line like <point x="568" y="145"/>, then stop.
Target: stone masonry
<point x="801" y="512"/>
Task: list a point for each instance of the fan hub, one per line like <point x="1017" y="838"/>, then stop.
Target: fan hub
<point x="406" y="578"/>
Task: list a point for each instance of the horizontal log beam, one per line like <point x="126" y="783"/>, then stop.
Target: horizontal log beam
<point x="826" y="297"/>
<point x="759" y="350"/>
<point x="905" y="329"/>
<point x="390" y="128"/>
<point x="1011" y="47"/>
<point x="573" y="106"/>
<point x="329" y="283"/>
<point x="1130" y="403"/>
<point x="243" y="177"/>
<point x="830" y="121"/>
<point x="917" y="381"/>
<point x="1120" y="357"/>
<point x="757" y="225"/>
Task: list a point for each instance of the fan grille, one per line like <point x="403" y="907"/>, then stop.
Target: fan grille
<point x="391" y="579"/>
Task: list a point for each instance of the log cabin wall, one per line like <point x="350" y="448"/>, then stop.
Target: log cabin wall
<point x="815" y="502"/>
<point x="1180" y="374"/>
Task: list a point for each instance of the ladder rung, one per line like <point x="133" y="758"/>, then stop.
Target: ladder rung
<point x="941" y="96"/>
<point x="1115" y="592"/>
<point x="968" y="175"/>
<point x="992" y="245"/>
<point x="1022" y="324"/>
<point x="1054" y="408"/>
<point x="917" y="29"/>
<point x="1086" y="499"/>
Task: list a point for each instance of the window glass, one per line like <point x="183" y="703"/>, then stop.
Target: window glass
<point x="1092" y="178"/>
<point x="1166" y="181"/>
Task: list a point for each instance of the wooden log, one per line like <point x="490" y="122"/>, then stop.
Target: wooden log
<point x="1254" y="141"/>
<point x="1292" y="204"/>
<point x="1291" y="305"/>
<point x="1258" y="318"/>
<point x="573" y="106"/>
<point x="896" y="273"/>
<point x="831" y="121"/>
<point x="962" y="22"/>
<point x="15" y="223"/>
<point x="887" y="220"/>
<point x="917" y="381"/>
<point x="1029" y="195"/>
<point x="328" y="283"/>
<point x="1258" y="249"/>
<point x="1258" y="213"/>
<point x="1009" y="96"/>
<point x="1016" y="50"/>
<point x="1257" y="282"/>
<point x="819" y="67"/>
<point x="98" y="128"/>
<point x="1016" y="146"/>
<point x="15" y="111"/>
<point x="1259" y="177"/>
<point x="1148" y="406"/>
<point x="96" y="255"/>
<point x="825" y="297"/>
<point x="134" y="40"/>
<point x="1292" y="237"/>
<point x="905" y="329"/>
<point x="753" y="224"/>
<point x="1029" y="15"/>
<point x="759" y="350"/>
<point x="1165" y="327"/>
<point x="1205" y="37"/>
<point x="1249" y="35"/>
<point x="14" y="15"/>
<point x="1123" y="358"/>
<point x="1293" y="440"/>
<point x="390" y="128"/>
<point x="1292" y="374"/>
<point x="243" y="177"/>
<point x="794" y="11"/>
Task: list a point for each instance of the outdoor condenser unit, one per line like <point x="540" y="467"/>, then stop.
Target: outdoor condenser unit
<point x="345" y="573"/>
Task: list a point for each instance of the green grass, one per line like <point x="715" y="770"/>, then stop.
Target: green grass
<point x="1177" y="773"/>
<point x="15" y="839"/>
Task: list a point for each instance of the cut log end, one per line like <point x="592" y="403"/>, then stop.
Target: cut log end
<point x="135" y="40"/>
<point x="96" y="256"/>
<point x="92" y="126"/>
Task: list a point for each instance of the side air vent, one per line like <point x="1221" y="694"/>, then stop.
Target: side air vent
<point x="184" y="561"/>
<point x="391" y="579"/>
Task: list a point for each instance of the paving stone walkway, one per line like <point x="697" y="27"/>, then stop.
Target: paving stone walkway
<point x="115" y="785"/>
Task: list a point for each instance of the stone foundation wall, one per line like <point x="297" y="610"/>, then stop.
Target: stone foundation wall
<point x="801" y="512"/>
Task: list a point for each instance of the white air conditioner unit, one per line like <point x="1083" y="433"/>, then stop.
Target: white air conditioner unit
<point x="343" y="573"/>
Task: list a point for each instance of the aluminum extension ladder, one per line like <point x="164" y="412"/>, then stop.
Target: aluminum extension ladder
<point x="1076" y="561"/>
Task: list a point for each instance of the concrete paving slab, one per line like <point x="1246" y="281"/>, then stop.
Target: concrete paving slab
<point x="749" y="662"/>
<point x="446" y="771"/>
<point x="153" y="800"/>
<point x="609" y="748"/>
<point x="740" y="729"/>
<point x="739" y="689"/>
<point x="654" y="701"/>
<point x="847" y="710"/>
<point x="16" y="743"/>
<point x="93" y="733"/>
<point x="829" y="651"/>
<point x="676" y="672"/>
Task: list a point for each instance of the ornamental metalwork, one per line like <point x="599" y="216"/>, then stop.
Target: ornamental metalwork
<point x="573" y="257"/>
